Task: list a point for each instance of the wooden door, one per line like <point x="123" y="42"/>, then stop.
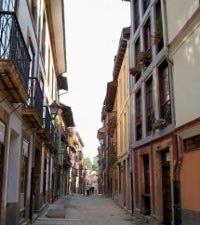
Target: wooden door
<point x="1" y="173"/>
<point x="166" y="184"/>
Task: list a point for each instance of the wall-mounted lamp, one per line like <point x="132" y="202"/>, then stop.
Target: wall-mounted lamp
<point x="54" y="109"/>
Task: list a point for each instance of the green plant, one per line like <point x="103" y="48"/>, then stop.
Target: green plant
<point x="144" y="57"/>
<point x="135" y="71"/>
<point x="158" y="34"/>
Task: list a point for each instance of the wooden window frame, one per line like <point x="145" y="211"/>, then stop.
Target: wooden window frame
<point x="138" y="114"/>
<point x="164" y="92"/>
<point x="149" y="105"/>
<point x="136" y="14"/>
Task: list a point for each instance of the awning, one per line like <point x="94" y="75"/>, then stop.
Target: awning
<point x="67" y="115"/>
<point x="62" y="82"/>
<point x="110" y="95"/>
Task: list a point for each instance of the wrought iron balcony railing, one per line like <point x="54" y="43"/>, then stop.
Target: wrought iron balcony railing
<point x="47" y="132"/>
<point x="48" y="125"/>
<point x="35" y="95"/>
<point x="12" y="45"/>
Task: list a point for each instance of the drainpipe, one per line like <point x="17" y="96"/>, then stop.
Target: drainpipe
<point x="177" y="186"/>
<point x="131" y="132"/>
<point x="32" y="148"/>
<point x="176" y="182"/>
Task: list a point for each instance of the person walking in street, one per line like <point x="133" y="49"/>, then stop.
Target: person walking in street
<point x="87" y="189"/>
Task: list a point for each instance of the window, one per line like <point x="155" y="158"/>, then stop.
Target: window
<point x="138" y="115"/>
<point x="8" y="5"/>
<point x="147" y="35"/>
<point x="137" y="63"/>
<point x="158" y="35"/>
<point x="44" y="37"/>
<point x="41" y="82"/>
<point x="136" y="14"/>
<point x="165" y="100"/>
<point x="33" y="9"/>
<point x="146" y="4"/>
<point x="32" y="56"/>
<point x="149" y="105"/>
<point x="146" y="56"/>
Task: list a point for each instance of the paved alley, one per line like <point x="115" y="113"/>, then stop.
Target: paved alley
<point x="83" y="210"/>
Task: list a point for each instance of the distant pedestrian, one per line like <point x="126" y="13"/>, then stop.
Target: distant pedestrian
<point x="87" y="189"/>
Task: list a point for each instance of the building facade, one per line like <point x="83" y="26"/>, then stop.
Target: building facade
<point x="114" y="155"/>
<point x="183" y="36"/>
<point x="32" y="57"/>
<point x="165" y="128"/>
<point x="152" y="109"/>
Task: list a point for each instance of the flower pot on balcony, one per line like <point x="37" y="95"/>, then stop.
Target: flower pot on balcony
<point x="145" y="57"/>
<point x="134" y="71"/>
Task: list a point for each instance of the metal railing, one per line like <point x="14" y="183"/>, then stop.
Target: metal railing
<point x="35" y="95"/>
<point x="13" y="46"/>
<point x="48" y="125"/>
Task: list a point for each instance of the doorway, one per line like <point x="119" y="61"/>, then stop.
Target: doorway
<point x="166" y="186"/>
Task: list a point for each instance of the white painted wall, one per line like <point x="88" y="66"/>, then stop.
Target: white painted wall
<point x="179" y="12"/>
<point x="186" y="77"/>
<point x="14" y="152"/>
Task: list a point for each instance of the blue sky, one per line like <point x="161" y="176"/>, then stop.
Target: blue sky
<point x="93" y="29"/>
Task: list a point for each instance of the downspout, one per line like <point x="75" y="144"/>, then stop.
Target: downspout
<point x="32" y="148"/>
<point x="176" y="182"/>
<point x="131" y="150"/>
<point x="177" y="186"/>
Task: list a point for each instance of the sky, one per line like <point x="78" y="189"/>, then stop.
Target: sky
<point x="93" y="30"/>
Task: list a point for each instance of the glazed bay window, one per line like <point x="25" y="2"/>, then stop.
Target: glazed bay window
<point x="146" y="4"/>
<point x="137" y="63"/>
<point x="158" y="34"/>
<point x="165" y="100"/>
<point x="136" y="14"/>
<point x="138" y="119"/>
<point x="145" y="57"/>
<point x="149" y="105"/>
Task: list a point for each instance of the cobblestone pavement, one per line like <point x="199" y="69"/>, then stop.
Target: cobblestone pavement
<point x="86" y="210"/>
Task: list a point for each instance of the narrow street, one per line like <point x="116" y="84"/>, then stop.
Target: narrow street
<point x="83" y="210"/>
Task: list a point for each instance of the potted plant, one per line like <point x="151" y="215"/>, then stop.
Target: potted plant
<point x="158" y="34"/>
<point x="144" y="57"/>
<point x="134" y="71"/>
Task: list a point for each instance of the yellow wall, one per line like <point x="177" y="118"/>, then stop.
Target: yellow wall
<point x="190" y="181"/>
<point x="123" y="108"/>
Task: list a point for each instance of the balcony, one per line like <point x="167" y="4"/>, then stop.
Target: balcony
<point x="47" y="132"/>
<point x="14" y="60"/>
<point x="64" y="136"/>
<point x="32" y="112"/>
